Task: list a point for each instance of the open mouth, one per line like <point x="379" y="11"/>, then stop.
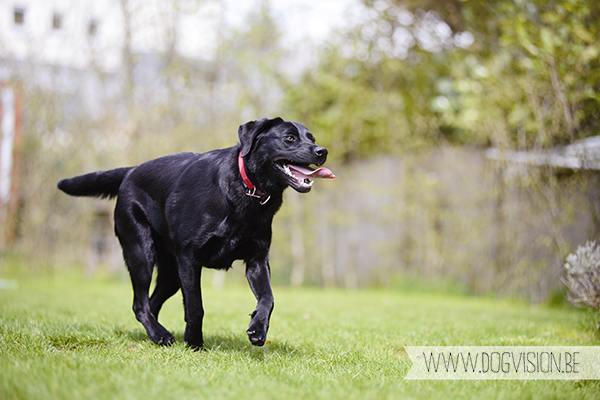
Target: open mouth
<point x="302" y="175"/>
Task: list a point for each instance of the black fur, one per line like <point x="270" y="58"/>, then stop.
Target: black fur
<point x="96" y="184"/>
<point x="185" y="211"/>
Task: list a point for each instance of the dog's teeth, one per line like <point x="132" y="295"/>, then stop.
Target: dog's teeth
<point x="301" y="181"/>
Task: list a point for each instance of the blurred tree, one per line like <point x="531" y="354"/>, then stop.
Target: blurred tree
<point x="518" y="74"/>
<point x="531" y="81"/>
<point x="414" y="75"/>
<point x="251" y="59"/>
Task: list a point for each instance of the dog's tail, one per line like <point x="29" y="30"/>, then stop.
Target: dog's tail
<point x="103" y="184"/>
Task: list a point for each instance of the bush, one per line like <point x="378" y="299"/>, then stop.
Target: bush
<point x="583" y="277"/>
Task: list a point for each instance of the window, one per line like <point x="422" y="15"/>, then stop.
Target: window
<point x="19" y="16"/>
<point x="92" y="28"/>
<point x="56" y="21"/>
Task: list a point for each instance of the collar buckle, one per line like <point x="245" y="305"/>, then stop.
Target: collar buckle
<point x="257" y="194"/>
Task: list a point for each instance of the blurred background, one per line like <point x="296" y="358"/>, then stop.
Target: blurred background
<point x="463" y="133"/>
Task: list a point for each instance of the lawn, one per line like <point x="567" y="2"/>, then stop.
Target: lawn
<point x="69" y="338"/>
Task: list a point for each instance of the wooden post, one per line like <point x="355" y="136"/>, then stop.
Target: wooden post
<point x="10" y="160"/>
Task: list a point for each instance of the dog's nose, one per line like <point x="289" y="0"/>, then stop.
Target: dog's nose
<point x="321" y="151"/>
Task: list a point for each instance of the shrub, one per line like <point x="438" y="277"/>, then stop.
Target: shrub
<point x="583" y="277"/>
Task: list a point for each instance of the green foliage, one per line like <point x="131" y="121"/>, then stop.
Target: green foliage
<point x="543" y="61"/>
<point x="410" y="77"/>
<point x="68" y="338"/>
<point x="359" y="111"/>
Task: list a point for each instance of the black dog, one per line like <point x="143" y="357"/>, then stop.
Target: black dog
<point x="189" y="210"/>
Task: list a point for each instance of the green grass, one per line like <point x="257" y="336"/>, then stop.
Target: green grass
<point x="73" y="339"/>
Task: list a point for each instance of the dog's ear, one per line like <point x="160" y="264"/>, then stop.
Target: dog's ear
<point x="250" y="130"/>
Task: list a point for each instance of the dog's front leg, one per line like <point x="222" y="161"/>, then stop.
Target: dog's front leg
<point x="259" y="278"/>
<point x="189" y="275"/>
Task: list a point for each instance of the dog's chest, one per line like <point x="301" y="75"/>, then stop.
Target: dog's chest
<point x="231" y="240"/>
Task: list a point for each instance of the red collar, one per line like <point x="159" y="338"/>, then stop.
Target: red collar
<point x="252" y="191"/>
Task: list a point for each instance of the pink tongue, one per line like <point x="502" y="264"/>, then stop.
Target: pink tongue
<point x="310" y="173"/>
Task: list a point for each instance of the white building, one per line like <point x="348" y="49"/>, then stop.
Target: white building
<point x="64" y="33"/>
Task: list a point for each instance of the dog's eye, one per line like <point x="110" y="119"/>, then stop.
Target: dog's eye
<point x="290" y="138"/>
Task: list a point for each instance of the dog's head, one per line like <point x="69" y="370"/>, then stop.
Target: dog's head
<point x="283" y="150"/>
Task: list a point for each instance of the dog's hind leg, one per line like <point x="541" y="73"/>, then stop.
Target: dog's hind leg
<point x="139" y="252"/>
<point x="167" y="281"/>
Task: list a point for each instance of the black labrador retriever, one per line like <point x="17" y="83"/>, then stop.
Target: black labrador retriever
<point x="189" y="210"/>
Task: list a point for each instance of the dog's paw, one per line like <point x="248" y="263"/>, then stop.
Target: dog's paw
<point x="196" y="342"/>
<point x="163" y="338"/>
<point x="257" y="337"/>
<point x="196" y="347"/>
<point x="166" y="341"/>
